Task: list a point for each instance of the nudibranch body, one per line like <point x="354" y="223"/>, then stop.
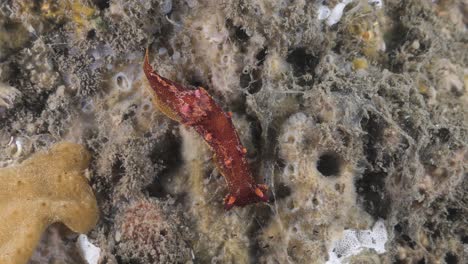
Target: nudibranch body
<point x="197" y="109"/>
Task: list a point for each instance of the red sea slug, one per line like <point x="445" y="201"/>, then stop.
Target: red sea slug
<point x="197" y="109"/>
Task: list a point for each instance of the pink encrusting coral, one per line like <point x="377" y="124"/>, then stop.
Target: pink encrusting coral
<point x="196" y="108"/>
<point x="147" y="230"/>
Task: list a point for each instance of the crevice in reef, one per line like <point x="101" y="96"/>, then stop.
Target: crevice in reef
<point x="370" y="186"/>
<point x="329" y="164"/>
<point x="170" y="158"/>
<point x="302" y="61"/>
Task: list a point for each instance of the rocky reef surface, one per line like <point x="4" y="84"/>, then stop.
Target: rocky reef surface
<point x="353" y="112"/>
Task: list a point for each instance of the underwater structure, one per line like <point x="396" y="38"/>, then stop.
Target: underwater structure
<point x="353" y="113"/>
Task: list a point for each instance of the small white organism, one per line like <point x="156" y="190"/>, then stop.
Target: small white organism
<point x="8" y="94"/>
<point x="88" y="251"/>
<point x="192" y="3"/>
<point x="376" y="3"/>
<point x="334" y="15"/>
<point x="323" y="12"/>
<point x="166" y="6"/>
<point x="355" y="241"/>
<point x="16" y="145"/>
<point x="337" y="13"/>
<point x="122" y="82"/>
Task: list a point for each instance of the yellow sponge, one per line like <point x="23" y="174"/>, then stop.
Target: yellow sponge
<point x="48" y="187"/>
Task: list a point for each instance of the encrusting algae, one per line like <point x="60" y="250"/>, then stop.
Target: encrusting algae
<point x="47" y="188"/>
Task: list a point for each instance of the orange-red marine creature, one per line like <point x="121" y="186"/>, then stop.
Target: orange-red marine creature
<point x="197" y="109"/>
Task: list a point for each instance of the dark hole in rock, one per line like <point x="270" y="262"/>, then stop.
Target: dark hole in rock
<point x="443" y="134"/>
<point x="168" y="151"/>
<point x="257" y="132"/>
<point x="129" y="113"/>
<point x="257" y="84"/>
<point x="117" y="258"/>
<point x="464" y="239"/>
<point x="453" y="214"/>
<point x="451" y="258"/>
<point x="261" y="55"/>
<point x="396" y="38"/>
<point x="163" y="232"/>
<point x="102" y="4"/>
<point x="339" y="44"/>
<point x="456" y="90"/>
<point x="302" y="62"/>
<point x="244" y="80"/>
<point x="156" y="189"/>
<point x="241" y="35"/>
<point x="282" y="191"/>
<point x="91" y="34"/>
<point x="197" y="81"/>
<point x="169" y="155"/>
<point x="238" y="34"/>
<point x="374" y="127"/>
<point x="371" y="190"/>
<point x="371" y="186"/>
<point x="422" y="261"/>
<point x="315" y="201"/>
<point x="398" y="228"/>
<point x="280" y="163"/>
<point x="408" y="241"/>
<point x="118" y="170"/>
<point x="329" y="164"/>
<point x="11" y="26"/>
<point x="434" y="228"/>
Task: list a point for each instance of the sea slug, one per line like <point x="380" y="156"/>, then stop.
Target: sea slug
<point x="197" y="109"/>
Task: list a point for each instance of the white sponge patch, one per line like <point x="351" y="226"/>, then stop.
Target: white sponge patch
<point x="355" y="241"/>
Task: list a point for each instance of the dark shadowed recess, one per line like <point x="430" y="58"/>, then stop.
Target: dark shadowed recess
<point x="252" y="81"/>
<point x="169" y="157"/>
<point x="302" y="61"/>
<point x="370" y="186"/>
<point x="102" y="4"/>
<point x="329" y="164"/>
<point x="260" y="220"/>
<point x="238" y="34"/>
<point x="451" y="258"/>
<point x="261" y="56"/>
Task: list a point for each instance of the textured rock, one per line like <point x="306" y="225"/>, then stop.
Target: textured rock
<point x="351" y="124"/>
